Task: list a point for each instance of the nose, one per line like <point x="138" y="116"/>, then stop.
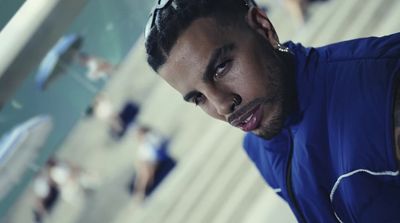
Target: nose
<point x="224" y="107"/>
<point x="225" y="104"/>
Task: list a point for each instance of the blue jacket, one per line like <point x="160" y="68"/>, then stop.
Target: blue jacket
<point x="335" y="159"/>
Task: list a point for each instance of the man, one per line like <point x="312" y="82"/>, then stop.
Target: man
<point x="321" y="122"/>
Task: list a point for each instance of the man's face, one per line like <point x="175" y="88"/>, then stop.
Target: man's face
<point x="232" y="73"/>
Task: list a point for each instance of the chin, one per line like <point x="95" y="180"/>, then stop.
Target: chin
<point x="270" y="130"/>
<point x="266" y="135"/>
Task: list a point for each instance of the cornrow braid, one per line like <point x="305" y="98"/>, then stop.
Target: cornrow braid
<point x="177" y="16"/>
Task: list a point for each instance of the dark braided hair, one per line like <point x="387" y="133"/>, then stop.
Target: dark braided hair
<point x="177" y="16"/>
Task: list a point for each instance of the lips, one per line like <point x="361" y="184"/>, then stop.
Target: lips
<point x="248" y="118"/>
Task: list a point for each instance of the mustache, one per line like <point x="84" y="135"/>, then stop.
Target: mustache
<point x="243" y="110"/>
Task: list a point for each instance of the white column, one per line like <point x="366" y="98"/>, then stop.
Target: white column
<point x="25" y="40"/>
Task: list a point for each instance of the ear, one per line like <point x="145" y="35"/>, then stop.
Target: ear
<point x="258" y="20"/>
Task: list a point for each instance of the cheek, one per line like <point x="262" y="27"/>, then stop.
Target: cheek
<point x="249" y="84"/>
<point x="249" y="74"/>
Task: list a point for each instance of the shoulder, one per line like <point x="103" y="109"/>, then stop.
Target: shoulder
<point x="268" y="156"/>
<point x="346" y="66"/>
<point x="250" y="144"/>
<point x="260" y="150"/>
<point x="249" y="141"/>
<point x="371" y="48"/>
<point x="253" y="144"/>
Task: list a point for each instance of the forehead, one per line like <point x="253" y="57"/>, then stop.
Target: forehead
<point x="203" y="30"/>
<point x="192" y="50"/>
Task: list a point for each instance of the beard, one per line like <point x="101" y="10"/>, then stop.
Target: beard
<point x="282" y="80"/>
<point x="274" y="125"/>
<point x="272" y="129"/>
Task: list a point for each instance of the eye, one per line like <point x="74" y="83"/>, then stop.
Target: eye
<point x="198" y="99"/>
<point x="221" y="69"/>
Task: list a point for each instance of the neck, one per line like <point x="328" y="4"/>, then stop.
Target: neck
<point x="290" y="105"/>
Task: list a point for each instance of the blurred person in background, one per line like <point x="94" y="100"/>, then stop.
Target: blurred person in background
<point x="66" y="52"/>
<point x="101" y="108"/>
<point x="124" y="120"/>
<point x="322" y="124"/>
<point x="59" y="178"/>
<point x="153" y="162"/>
<point x="120" y="121"/>
<point x="46" y="191"/>
<point x="97" y="68"/>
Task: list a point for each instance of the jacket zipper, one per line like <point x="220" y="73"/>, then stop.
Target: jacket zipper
<point x="289" y="181"/>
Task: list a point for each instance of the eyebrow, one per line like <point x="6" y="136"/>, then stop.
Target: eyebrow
<point x="215" y="57"/>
